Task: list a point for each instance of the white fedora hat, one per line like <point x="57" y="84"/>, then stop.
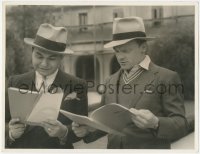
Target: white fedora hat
<point x="127" y="29"/>
<point x="50" y="38"/>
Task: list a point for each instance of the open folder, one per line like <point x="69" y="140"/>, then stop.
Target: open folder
<point x="112" y="118"/>
<point x="32" y="107"/>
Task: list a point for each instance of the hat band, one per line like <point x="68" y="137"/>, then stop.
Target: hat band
<point x="48" y="44"/>
<point x="128" y="35"/>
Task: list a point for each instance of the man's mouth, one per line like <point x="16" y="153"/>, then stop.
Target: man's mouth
<point x="44" y="69"/>
<point x="123" y="62"/>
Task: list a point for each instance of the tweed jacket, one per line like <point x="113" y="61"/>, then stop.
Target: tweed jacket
<point x="158" y="90"/>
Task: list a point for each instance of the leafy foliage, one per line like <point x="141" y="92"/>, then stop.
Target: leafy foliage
<point x="175" y="50"/>
<point x="23" y="21"/>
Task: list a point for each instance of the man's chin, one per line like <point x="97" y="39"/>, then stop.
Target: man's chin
<point x="125" y="67"/>
<point x="44" y="73"/>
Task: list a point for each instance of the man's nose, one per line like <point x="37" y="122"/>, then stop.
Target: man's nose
<point x="44" y="62"/>
<point x="120" y="55"/>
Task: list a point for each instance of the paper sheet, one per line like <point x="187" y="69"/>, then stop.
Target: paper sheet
<point x="48" y="107"/>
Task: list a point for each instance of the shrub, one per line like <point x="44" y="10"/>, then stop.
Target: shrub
<point x="175" y="50"/>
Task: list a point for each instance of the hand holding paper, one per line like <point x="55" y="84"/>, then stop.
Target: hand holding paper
<point x="54" y="128"/>
<point x="16" y="129"/>
<point x="33" y="107"/>
<point x="144" y="118"/>
<point x="81" y="130"/>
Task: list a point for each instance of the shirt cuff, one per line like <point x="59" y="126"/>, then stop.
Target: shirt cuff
<point x="10" y="136"/>
<point x="64" y="138"/>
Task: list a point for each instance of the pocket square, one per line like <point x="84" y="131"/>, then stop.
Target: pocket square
<point x="72" y="96"/>
<point x="148" y="91"/>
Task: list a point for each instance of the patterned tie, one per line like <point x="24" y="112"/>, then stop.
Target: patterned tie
<point x="44" y="85"/>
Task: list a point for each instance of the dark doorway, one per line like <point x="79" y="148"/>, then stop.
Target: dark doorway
<point x="114" y="65"/>
<point x="85" y="68"/>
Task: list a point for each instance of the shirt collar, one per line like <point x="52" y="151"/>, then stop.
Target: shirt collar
<point x="49" y="77"/>
<point x="145" y="62"/>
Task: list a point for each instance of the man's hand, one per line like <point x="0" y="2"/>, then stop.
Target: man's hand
<point x="55" y="128"/>
<point x="144" y="119"/>
<point x="16" y="129"/>
<point x="81" y="130"/>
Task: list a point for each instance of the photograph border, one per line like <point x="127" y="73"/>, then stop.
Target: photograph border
<point x="121" y="3"/>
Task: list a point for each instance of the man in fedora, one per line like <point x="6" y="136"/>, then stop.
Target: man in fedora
<point x="48" y="49"/>
<point x="153" y="94"/>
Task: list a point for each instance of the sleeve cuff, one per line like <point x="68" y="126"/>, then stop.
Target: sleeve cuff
<point x="64" y="138"/>
<point x="10" y="136"/>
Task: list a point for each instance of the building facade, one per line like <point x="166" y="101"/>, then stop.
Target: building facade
<point x="90" y="27"/>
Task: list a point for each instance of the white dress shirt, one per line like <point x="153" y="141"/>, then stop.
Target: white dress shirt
<point x="44" y="83"/>
<point x="136" y="70"/>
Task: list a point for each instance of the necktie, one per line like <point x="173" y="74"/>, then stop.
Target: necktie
<point x="44" y="83"/>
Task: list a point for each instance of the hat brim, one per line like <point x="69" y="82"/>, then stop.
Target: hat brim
<point x="30" y="41"/>
<point x="121" y="42"/>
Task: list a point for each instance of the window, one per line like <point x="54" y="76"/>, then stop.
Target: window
<point x="157" y="12"/>
<point x="83" y="21"/>
<point x="118" y="13"/>
<point x="157" y="15"/>
<point x="86" y="69"/>
<point x="114" y="67"/>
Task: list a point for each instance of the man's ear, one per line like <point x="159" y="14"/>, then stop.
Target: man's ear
<point x="144" y="47"/>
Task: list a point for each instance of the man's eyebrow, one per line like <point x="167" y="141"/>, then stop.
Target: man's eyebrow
<point x="116" y="49"/>
<point x="53" y="56"/>
<point x="38" y="53"/>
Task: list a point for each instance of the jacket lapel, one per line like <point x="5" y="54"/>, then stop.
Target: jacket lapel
<point x="61" y="82"/>
<point x="143" y="82"/>
<point x="29" y="80"/>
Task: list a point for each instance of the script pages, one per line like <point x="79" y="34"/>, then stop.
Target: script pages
<point x="111" y="118"/>
<point x="47" y="107"/>
<point x="21" y="102"/>
<point x="33" y="107"/>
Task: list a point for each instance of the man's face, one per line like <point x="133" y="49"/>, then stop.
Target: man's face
<point x="44" y="62"/>
<point x="130" y="54"/>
